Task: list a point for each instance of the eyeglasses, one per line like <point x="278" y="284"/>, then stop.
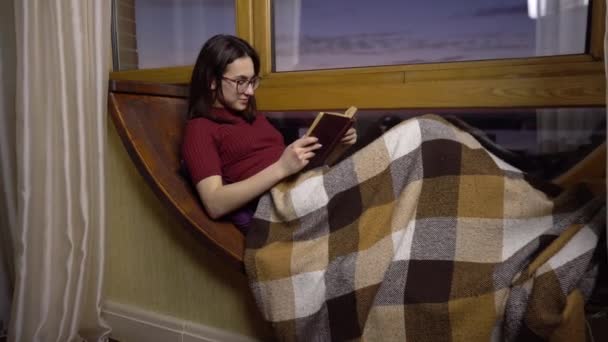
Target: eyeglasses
<point x="243" y="84"/>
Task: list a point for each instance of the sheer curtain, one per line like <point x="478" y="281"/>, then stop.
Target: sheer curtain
<point x="561" y="129"/>
<point x="62" y="62"/>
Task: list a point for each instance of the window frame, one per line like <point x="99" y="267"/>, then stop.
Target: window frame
<point x="553" y="81"/>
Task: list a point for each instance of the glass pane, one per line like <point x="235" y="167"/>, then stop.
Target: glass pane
<point x="552" y="139"/>
<point x="318" y="34"/>
<point x="161" y="33"/>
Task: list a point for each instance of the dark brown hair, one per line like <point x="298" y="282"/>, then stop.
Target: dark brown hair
<point x="214" y="57"/>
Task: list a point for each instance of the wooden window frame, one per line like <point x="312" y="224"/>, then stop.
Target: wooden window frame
<point x="555" y="81"/>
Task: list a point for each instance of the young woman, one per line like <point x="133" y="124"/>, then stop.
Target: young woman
<point x="232" y="152"/>
<point x="418" y="222"/>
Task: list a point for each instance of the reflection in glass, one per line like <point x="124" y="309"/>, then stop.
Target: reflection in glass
<point x="319" y="34"/>
<point x="162" y="33"/>
<point x="546" y="149"/>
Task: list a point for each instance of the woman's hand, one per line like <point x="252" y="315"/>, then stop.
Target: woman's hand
<point x="220" y="199"/>
<point x="297" y="155"/>
<point x="350" y="137"/>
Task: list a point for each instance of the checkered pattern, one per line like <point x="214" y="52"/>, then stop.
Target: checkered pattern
<point x="423" y="235"/>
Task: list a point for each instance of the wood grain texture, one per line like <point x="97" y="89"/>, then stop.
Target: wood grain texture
<point x="169" y="75"/>
<point x="148" y="88"/>
<point x="598" y="27"/>
<point x="151" y="128"/>
<point x="244" y="19"/>
<point x="544" y="92"/>
<point x="262" y="39"/>
<point x="558" y="82"/>
<point x="591" y="169"/>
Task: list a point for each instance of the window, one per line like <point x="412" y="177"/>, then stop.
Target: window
<point x="565" y="35"/>
<point x="549" y="140"/>
<point x="320" y="34"/>
<point x="161" y="33"/>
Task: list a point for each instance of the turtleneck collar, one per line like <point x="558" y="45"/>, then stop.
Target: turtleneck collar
<point x="226" y="115"/>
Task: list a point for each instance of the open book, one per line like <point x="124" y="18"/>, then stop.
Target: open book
<point x="329" y="128"/>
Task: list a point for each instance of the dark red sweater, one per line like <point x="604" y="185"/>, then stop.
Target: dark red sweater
<point x="235" y="151"/>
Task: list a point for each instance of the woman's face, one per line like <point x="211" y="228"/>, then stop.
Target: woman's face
<point x="238" y="85"/>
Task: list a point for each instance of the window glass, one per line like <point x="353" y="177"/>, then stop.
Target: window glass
<point x="318" y="34"/>
<point x="162" y="33"/>
<point x="553" y="139"/>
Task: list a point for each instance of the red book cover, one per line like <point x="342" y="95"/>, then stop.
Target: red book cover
<point x="329" y="129"/>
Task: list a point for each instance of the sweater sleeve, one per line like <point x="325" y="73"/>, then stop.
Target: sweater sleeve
<point x="199" y="151"/>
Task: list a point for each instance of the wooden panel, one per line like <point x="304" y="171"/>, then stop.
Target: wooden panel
<point x="598" y="27"/>
<point x="539" y="86"/>
<point x="151" y="128"/>
<point x="127" y="25"/>
<point x="142" y="88"/>
<point x="496" y="70"/>
<point x="180" y="74"/>
<point x="244" y="19"/>
<point x="592" y="170"/>
<point x="129" y="59"/>
<point x="495" y="63"/>
<point x="262" y="37"/>
<point x="126" y="9"/>
<point x="295" y="80"/>
<point x="552" y="70"/>
<point x="586" y="90"/>
<point x="127" y="40"/>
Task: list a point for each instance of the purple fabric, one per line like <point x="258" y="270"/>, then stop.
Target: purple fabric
<point x="242" y="217"/>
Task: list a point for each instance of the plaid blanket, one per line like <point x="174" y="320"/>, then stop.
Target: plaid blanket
<point x="423" y="235"/>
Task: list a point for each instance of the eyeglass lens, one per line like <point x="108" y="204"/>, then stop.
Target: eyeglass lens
<point x="242" y="85"/>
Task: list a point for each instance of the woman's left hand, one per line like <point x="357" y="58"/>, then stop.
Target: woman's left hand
<point x="350" y="137"/>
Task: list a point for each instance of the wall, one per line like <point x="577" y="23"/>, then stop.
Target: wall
<point x="7" y="152"/>
<point x="153" y="263"/>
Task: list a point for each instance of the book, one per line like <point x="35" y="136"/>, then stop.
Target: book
<point x="329" y="128"/>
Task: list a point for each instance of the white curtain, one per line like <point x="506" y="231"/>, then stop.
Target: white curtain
<point x="559" y="25"/>
<point x="558" y="32"/>
<point x="287" y="19"/>
<point x="63" y="58"/>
